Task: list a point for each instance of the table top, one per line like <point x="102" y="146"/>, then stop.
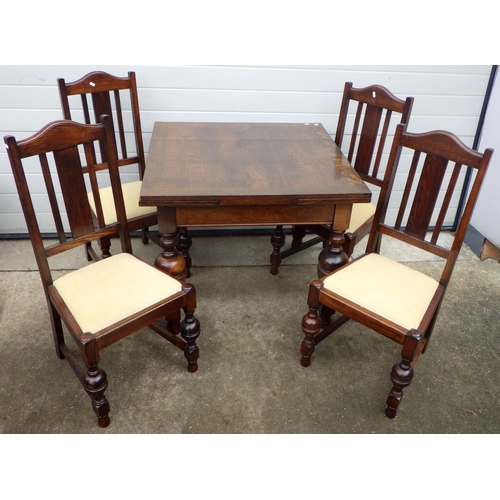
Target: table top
<point x="247" y="164"/>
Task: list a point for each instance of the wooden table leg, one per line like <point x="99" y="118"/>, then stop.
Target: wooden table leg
<point x="277" y="241"/>
<point x="170" y="260"/>
<point x="298" y="233"/>
<point x="184" y="243"/>
<point x="333" y="256"/>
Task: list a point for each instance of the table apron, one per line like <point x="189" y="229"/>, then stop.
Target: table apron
<point x="170" y="217"/>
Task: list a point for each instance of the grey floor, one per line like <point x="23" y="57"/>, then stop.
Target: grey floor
<point x="249" y="379"/>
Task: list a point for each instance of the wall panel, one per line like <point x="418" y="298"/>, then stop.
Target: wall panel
<point x="446" y="97"/>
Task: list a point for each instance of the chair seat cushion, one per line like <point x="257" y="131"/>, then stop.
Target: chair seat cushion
<point x="361" y="212"/>
<point x="105" y="292"/>
<point x="131" y="193"/>
<point x="385" y="287"/>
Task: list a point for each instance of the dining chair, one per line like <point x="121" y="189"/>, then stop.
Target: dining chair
<point x="99" y="93"/>
<point x="103" y="301"/>
<point x="374" y="121"/>
<point x="389" y="297"/>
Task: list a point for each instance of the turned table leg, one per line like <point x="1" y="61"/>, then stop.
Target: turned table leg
<point x="277" y="241"/>
<point x="184" y="243"/>
<point x="170" y="260"/>
<point x="298" y="233"/>
<point x="333" y="256"/>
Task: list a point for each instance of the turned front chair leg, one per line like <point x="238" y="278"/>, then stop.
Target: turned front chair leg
<point x="190" y="329"/>
<point x="402" y="372"/>
<point x="311" y="324"/>
<point x="277" y="241"/>
<point x="95" y="383"/>
<point x="95" y="380"/>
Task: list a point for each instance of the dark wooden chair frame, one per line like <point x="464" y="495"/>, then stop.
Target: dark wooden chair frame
<point x="60" y="143"/>
<point x="375" y="108"/>
<point x="104" y="90"/>
<point x="440" y="149"/>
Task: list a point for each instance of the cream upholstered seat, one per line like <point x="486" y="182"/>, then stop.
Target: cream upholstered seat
<point x="113" y="289"/>
<point x="109" y="299"/>
<point x="386" y="296"/>
<point x="387" y="288"/>
<point x="131" y="192"/>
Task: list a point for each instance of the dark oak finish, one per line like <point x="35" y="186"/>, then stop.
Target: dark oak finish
<point x="99" y="93"/>
<point x="64" y="150"/>
<point x="438" y="157"/>
<point x="248" y="174"/>
<point x="375" y="108"/>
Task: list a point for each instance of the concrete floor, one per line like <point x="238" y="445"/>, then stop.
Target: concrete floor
<point x="249" y="379"/>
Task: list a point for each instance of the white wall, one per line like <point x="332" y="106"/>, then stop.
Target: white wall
<point x="486" y="216"/>
<point x="446" y="97"/>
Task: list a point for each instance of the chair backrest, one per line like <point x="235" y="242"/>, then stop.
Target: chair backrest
<point x="61" y="152"/>
<point x="437" y="159"/>
<point x="107" y="96"/>
<point x="372" y="124"/>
